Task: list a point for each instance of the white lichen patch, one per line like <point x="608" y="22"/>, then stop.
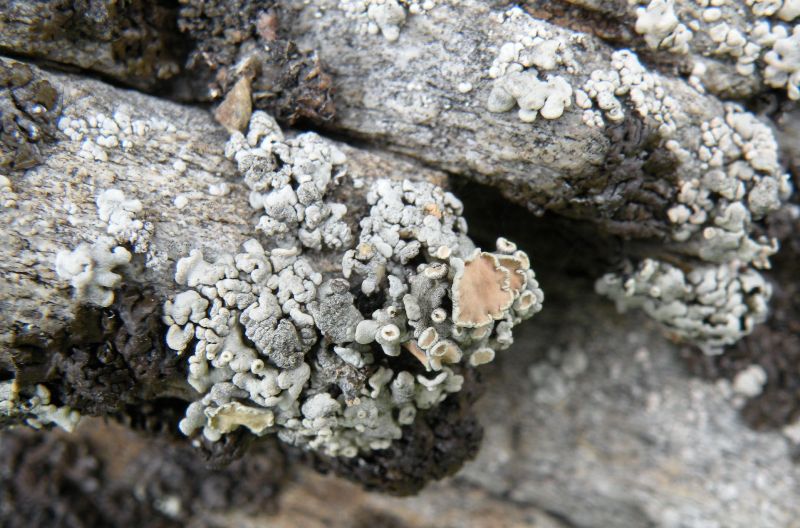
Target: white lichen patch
<point x="639" y="89"/>
<point x="519" y="78"/>
<point x="8" y="198"/>
<point x="661" y="28"/>
<point x="386" y="17"/>
<point x="89" y="270"/>
<point x="119" y="215"/>
<point x="32" y="406"/>
<point x="100" y="134"/>
<point x="750" y="381"/>
<point x="533" y="96"/>
<point x="783" y="64"/>
<point x="321" y="357"/>
<point x="711" y="306"/>
<point x="786" y="10"/>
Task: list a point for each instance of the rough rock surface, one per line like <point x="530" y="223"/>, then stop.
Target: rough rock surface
<point x="608" y="430"/>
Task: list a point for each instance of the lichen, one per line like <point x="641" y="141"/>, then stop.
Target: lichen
<point x="783" y="64"/>
<point x="519" y="79"/>
<point x="119" y="215"/>
<point x="386" y="17"/>
<point x="8" y="198"/>
<point x="763" y="41"/>
<point x="711" y="306"/>
<point x="641" y="89"/>
<point x="89" y="270"/>
<point x="728" y="180"/>
<point x="86" y="480"/>
<point x="32" y="406"/>
<point x="337" y="358"/>
<point x="660" y="27"/>
<point x="743" y="182"/>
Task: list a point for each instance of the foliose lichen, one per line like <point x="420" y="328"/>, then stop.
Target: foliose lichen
<point x="742" y="183"/>
<point x="32" y="406"/>
<point x="728" y="179"/>
<point x="711" y="306"/>
<point x="760" y="38"/>
<point x="629" y="84"/>
<point x="336" y="353"/>
<point x="89" y="270"/>
<point x="519" y="75"/>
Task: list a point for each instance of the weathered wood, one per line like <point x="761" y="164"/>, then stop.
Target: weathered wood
<point x="134" y="43"/>
<point x="171" y="154"/>
<point x="425" y="95"/>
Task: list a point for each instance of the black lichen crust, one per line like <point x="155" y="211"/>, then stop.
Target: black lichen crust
<point x="50" y="479"/>
<point x="47" y="480"/>
<point x="108" y="361"/>
<point x="219" y="28"/>
<point x="133" y="42"/>
<point x="244" y="38"/>
<point x="247" y="486"/>
<point x="29" y="108"/>
<point x="113" y="362"/>
<point x="435" y="446"/>
<point x="228" y="450"/>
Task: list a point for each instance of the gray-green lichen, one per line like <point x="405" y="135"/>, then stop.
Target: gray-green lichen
<point x="728" y="179"/>
<point x="741" y="183"/>
<point x="334" y="341"/>
<point x="712" y="306"/>
<point x="521" y="74"/>
<point x="735" y="181"/>
<point x="606" y="93"/>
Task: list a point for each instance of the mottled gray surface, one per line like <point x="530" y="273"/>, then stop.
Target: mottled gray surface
<point x="171" y="154"/>
<point x="404" y="96"/>
<point x="591" y="415"/>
